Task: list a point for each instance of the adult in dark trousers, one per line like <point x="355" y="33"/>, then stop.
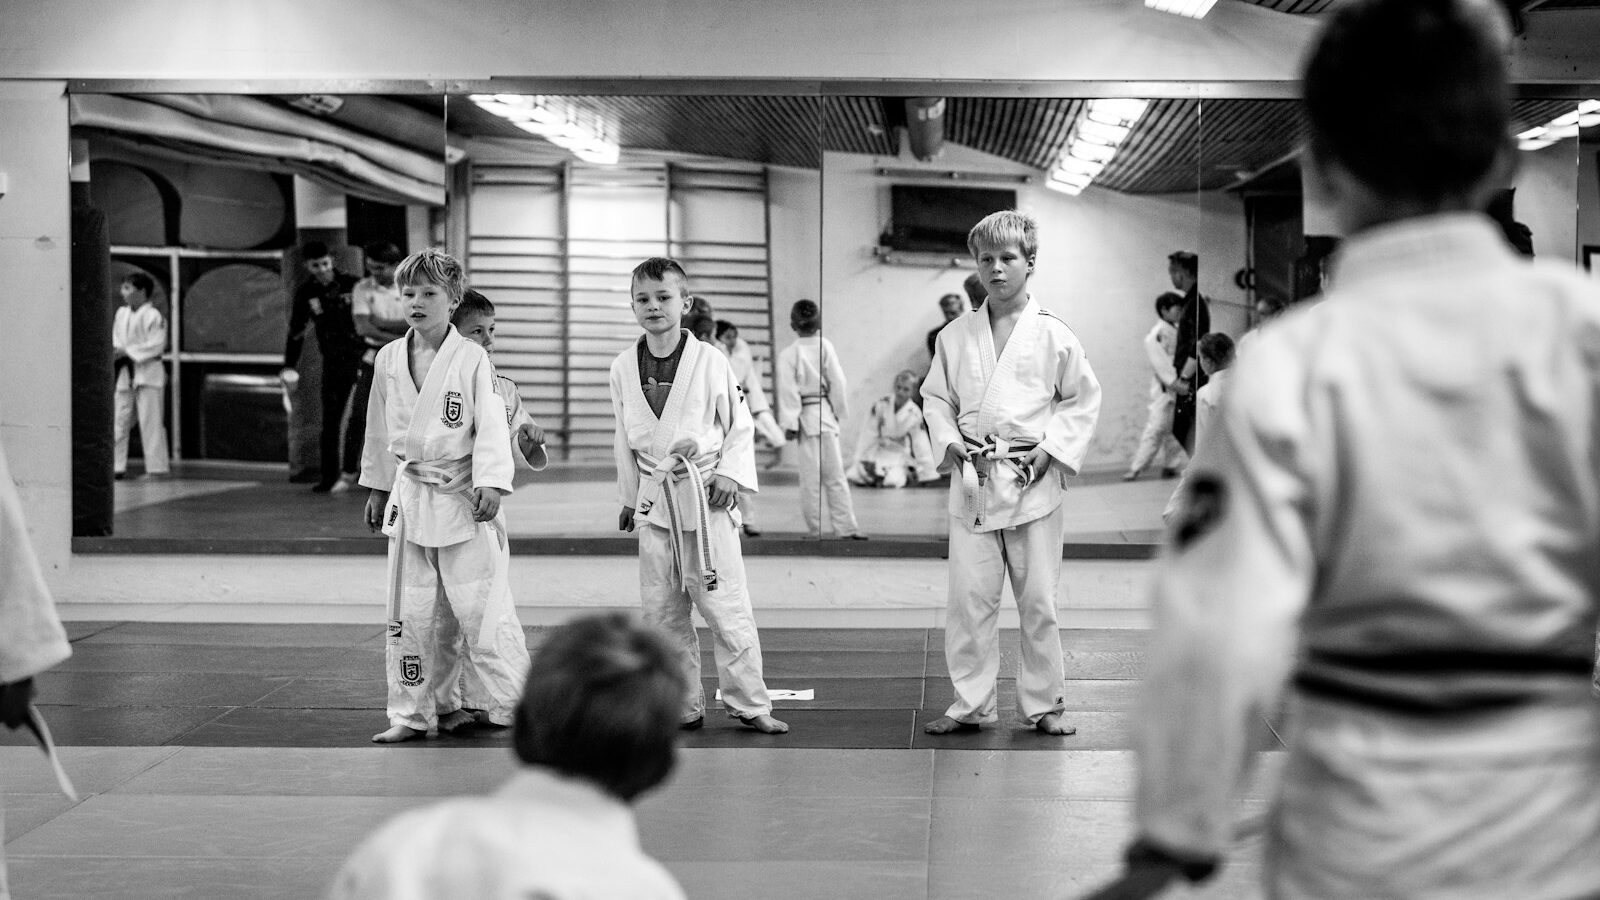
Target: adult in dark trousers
<point x="324" y="300"/>
<point x="1183" y="268"/>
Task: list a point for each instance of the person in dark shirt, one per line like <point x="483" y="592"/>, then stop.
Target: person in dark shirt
<point x="1183" y="268"/>
<point x="324" y="300"/>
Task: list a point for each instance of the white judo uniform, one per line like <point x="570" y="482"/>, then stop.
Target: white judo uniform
<point x="541" y="836"/>
<point x="1156" y="443"/>
<point x="141" y="386"/>
<point x="1039" y="391"/>
<point x="811" y="400"/>
<point x="468" y="686"/>
<point x="431" y="448"/>
<point x="1398" y="511"/>
<point x="689" y="553"/>
<point x="1207" y="401"/>
<point x="744" y="369"/>
<point x="894" y="447"/>
<point x="31" y="637"/>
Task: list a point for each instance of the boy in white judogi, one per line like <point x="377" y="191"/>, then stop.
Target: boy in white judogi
<point x="684" y="454"/>
<point x="1156" y="441"/>
<point x="469" y="696"/>
<point x="744" y="369"/>
<point x="138" y="338"/>
<point x="438" y="459"/>
<point x="811" y="401"/>
<point x="31" y="637"/>
<point x="1012" y="403"/>
<point x="1398" y="514"/>
<point x="894" y="441"/>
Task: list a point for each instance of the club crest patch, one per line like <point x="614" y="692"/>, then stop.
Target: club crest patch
<point x="410" y="670"/>
<point x="453" y="409"/>
<point x="1202" y="509"/>
<point x="395" y="630"/>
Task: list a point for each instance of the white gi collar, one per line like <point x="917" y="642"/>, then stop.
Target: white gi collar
<point x="575" y="797"/>
<point x="1445" y="241"/>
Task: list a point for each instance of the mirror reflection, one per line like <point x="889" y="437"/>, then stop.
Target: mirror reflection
<point x="239" y="345"/>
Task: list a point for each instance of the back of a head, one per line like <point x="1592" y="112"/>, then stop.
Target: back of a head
<point x="382" y="252"/>
<point x="1167" y="301"/>
<point x="1218" y="348"/>
<point x="702" y="327"/>
<point x="724" y="326"/>
<point x="432" y="266"/>
<point x="602" y="702"/>
<point x="804" y="314"/>
<point x="472" y="303"/>
<point x="976" y="292"/>
<point x="1411" y="97"/>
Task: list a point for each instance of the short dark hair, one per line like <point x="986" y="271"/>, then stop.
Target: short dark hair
<point x="141" y="282"/>
<point x="724" y="326"/>
<point x="1189" y="262"/>
<point x="1218" y="348"/>
<point x="955" y="297"/>
<point x="976" y="292"/>
<point x="472" y="304"/>
<point x="314" y="250"/>
<point x="383" y="252"/>
<point x="656" y="268"/>
<point x="702" y="327"/>
<point x="1167" y="301"/>
<point x="804" y="314"/>
<point x="1412" y="97"/>
<point x="602" y="701"/>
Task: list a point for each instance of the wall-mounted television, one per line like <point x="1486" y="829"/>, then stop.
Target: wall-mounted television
<point x="936" y="218"/>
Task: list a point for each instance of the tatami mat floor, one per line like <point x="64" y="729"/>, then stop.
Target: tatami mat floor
<point x="232" y="761"/>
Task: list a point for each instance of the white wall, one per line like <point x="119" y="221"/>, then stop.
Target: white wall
<point x="1102" y="262"/>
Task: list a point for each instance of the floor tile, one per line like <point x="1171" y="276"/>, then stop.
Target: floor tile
<point x="784" y="772"/>
<point x="208" y="658"/>
<point x="1080" y="693"/>
<point x="887" y="729"/>
<point x="842" y="693"/>
<point x="1078" y="664"/>
<point x="234" y="634"/>
<point x="328" y="693"/>
<point x="1097" y="730"/>
<point x="913" y="640"/>
<point x="789" y="664"/>
<point x="236" y="827"/>
<point x="1096" y="640"/>
<point x="77" y="631"/>
<point x="809" y="880"/>
<point x="93" y="770"/>
<point x="45" y="878"/>
<point x="316" y="772"/>
<point x="738" y="826"/>
<point x="25" y="812"/>
<point x="68" y="688"/>
<point x="113" y="726"/>
<point x="260" y="727"/>
<point x="1070" y="774"/>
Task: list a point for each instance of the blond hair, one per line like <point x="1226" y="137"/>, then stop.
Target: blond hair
<point x="432" y="266"/>
<point x="1005" y="229"/>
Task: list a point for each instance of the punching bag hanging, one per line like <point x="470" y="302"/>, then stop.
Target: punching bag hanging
<point x="93" y="379"/>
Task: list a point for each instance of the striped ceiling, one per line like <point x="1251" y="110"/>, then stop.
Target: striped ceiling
<point x="1178" y="145"/>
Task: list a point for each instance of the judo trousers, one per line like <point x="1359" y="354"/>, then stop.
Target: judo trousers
<point x="735" y="644"/>
<point x="822" y="477"/>
<point x="468" y="581"/>
<point x="1156" y="442"/>
<point x="152" y="431"/>
<point x="980" y="562"/>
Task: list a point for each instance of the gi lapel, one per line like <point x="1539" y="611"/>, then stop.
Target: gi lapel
<point x="428" y="398"/>
<point x="997" y="372"/>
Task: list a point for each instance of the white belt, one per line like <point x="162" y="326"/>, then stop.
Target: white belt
<point x="659" y="478"/>
<point x="996" y="450"/>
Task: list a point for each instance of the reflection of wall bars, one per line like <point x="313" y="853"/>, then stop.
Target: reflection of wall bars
<point x="1094" y="139"/>
<point x="557" y="121"/>
<point x="1561" y="127"/>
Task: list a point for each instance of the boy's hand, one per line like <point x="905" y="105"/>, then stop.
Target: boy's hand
<point x="376" y="502"/>
<point x="487" y="505"/>
<point x="532" y="431"/>
<point x="954" y="456"/>
<point x="288" y="376"/>
<point x="792" y="434"/>
<point x="1037" y="462"/>
<point x="722" y="491"/>
<point x="14" y="700"/>
<point x="625" y="519"/>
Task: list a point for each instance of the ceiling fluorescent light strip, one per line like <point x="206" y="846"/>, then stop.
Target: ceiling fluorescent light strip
<point x="1093" y="141"/>
<point x="1194" y="9"/>
<point x="1564" y="126"/>
<point x="539" y="115"/>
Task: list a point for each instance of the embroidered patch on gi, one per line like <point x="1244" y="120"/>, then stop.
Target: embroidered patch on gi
<point x="453" y="409"/>
<point x="395" y="628"/>
<point x="1201" y="510"/>
<point x="410" y="670"/>
<point x="394" y="513"/>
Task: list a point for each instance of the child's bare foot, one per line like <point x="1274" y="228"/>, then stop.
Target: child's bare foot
<point x="449" y="723"/>
<point x="1050" y="723"/>
<point x="947" y="725"/>
<point x="765" y="724"/>
<point x="398" y="734"/>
